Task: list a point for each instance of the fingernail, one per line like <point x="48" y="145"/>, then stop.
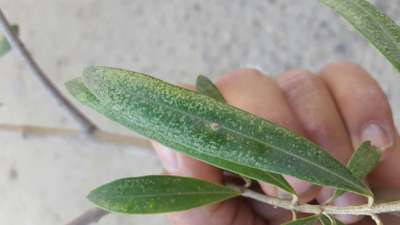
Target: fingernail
<point x="168" y="158"/>
<point x="377" y="135"/>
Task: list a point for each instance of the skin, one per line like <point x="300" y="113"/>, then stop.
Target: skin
<point x="337" y="108"/>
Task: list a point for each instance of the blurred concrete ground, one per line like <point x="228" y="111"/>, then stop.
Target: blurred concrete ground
<point x="44" y="181"/>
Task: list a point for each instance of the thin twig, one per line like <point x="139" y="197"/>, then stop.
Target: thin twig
<point x="89" y="217"/>
<point x="17" y="45"/>
<point x="319" y="209"/>
<point x="97" y="135"/>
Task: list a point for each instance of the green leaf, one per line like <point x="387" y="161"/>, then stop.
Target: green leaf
<point x="158" y="194"/>
<point x="363" y="161"/>
<point x="206" y="86"/>
<point x="311" y="220"/>
<point x="82" y="93"/>
<point x="4" y="45"/>
<point x="373" y="24"/>
<point x="199" y="126"/>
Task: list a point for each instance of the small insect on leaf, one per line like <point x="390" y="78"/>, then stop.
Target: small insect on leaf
<point x="180" y="119"/>
<point x="311" y="220"/>
<point x="4" y="45"/>
<point x="206" y="86"/>
<point x="158" y="194"/>
<point x="373" y="24"/>
<point x="363" y="161"/>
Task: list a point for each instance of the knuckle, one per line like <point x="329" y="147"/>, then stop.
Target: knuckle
<point x="295" y="78"/>
<point x="299" y="86"/>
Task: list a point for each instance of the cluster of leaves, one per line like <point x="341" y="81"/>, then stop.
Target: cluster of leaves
<point x="201" y="125"/>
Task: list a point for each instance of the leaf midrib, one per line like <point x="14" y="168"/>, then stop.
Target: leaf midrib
<point x="153" y="195"/>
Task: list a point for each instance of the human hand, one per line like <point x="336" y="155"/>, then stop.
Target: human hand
<point x="337" y="109"/>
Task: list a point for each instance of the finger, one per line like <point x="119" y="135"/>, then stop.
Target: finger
<point x="253" y="92"/>
<point x="315" y="107"/>
<point x="364" y="109"/>
<point x="366" y="112"/>
<point x="317" y="112"/>
<point x="230" y="212"/>
<point x="362" y="104"/>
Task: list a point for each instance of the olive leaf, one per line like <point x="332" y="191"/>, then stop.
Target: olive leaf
<point x="80" y="91"/>
<point x="4" y="45"/>
<point x="206" y="86"/>
<point x="373" y="24"/>
<point x="311" y="220"/>
<point x="199" y="126"/>
<point x="158" y="194"/>
<point x="362" y="162"/>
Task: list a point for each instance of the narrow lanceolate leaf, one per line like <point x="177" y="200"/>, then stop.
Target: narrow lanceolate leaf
<point x="4" y="45"/>
<point x="374" y="25"/>
<point x="311" y="220"/>
<point x="199" y="126"/>
<point x="206" y="86"/>
<point x="158" y="194"/>
<point x="363" y="161"/>
<point x="80" y="91"/>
